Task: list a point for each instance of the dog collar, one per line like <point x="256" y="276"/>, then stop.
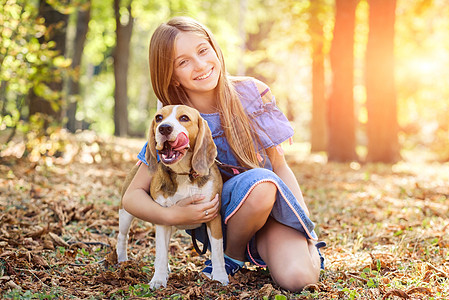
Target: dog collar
<point x="192" y="174"/>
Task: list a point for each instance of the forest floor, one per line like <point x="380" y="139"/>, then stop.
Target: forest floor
<point x="386" y="229"/>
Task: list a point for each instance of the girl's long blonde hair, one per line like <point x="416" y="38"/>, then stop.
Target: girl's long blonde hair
<point x="235" y="122"/>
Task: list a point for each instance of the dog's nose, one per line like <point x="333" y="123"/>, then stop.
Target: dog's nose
<point x="165" y="129"/>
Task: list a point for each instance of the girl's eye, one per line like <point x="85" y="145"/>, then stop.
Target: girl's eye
<point x="184" y="118"/>
<point x="182" y="62"/>
<point x="203" y="50"/>
<point x="158" y="118"/>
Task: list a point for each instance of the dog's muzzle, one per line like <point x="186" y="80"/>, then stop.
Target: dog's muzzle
<point x="173" y="151"/>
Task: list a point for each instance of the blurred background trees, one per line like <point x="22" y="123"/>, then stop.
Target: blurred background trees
<point x="360" y="79"/>
<point x="382" y="126"/>
<point x="341" y="117"/>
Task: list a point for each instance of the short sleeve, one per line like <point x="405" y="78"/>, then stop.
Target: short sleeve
<point x="271" y="125"/>
<point x="142" y="154"/>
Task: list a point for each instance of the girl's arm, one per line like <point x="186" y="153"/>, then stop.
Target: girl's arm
<point x="138" y="203"/>
<point x="281" y="168"/>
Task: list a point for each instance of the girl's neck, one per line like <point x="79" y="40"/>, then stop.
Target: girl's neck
<point x="205" y="103"/>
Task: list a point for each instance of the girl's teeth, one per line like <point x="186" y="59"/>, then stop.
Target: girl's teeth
<point x="205" y="75"/>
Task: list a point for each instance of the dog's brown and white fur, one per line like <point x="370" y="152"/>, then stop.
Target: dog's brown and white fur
<point x="187" y="153"/>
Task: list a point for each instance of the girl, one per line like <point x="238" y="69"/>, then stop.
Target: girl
<point x="266" y="220"/>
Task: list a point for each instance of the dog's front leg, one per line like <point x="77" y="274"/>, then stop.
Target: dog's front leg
<point x="125" y="220"/>
<point x="160" y="277"/>
<point x="217" y="253"/>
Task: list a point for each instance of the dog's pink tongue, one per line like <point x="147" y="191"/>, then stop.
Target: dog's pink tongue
<point x="181" y="142"/>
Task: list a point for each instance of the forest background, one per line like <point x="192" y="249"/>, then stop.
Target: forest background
<point x="359" y="80"/>
<point x="363" y="82"/>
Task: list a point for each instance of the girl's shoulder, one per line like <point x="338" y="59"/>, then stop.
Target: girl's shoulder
<point x="270" y="124"/>
<point x="252" y="88"/>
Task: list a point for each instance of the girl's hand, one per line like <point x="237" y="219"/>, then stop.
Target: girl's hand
<point x="193" y="210"/>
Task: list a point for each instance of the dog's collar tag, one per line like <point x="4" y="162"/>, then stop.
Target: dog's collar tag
<point x="194" y="174"/>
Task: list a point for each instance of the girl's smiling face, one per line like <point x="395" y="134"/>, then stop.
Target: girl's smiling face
<point x="196" y="65"/>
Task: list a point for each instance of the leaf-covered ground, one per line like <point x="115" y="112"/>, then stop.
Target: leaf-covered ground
<point x="386" y="228"/>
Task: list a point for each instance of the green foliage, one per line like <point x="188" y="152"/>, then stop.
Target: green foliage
<point x="100" y="39"/>
<point x="17" y="294"/>
<point x="140" y="290"/>
<point x="98" y="104"/>
<point x="26" y="62"/>
<point x="19" y="53"/>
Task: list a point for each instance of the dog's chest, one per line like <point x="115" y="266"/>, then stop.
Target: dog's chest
<point x="186" y="189"/>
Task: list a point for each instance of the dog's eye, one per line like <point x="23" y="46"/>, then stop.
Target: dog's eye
<point x="158" y="118"/>
<point x="184" y="118"/>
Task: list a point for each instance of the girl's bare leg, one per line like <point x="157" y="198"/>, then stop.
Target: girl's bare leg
<point x="249" y="218"/>
<point x="293" y="260"/>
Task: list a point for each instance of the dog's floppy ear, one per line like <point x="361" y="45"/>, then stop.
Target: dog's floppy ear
<point x="205" y="150"/>
<point x="151" y="154"/>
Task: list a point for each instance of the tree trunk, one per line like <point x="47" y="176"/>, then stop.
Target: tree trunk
<point x="56" y="24"/>
<point x="382" y="125"/>
<point x="318" y="134"/>
<point x="82" y="26"/>
<point x="121" y="58"/>
<point x="341" y="119"/>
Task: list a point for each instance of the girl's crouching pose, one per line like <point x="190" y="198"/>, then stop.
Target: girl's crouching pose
<point x="266" y="220"/>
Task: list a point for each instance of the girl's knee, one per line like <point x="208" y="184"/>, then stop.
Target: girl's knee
<point x="299" y="271"/>
<point x="295" y="279"/>
<point x="262" y="196"/>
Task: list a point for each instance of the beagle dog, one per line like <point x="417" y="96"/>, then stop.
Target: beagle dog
<point x="186" y="166"/>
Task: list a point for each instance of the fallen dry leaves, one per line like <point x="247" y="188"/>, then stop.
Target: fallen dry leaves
<point x="386" y="228"/>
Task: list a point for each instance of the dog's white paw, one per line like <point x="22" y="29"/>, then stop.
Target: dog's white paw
<point x="121" y="248"/>
<point x="222" y="277"/>
<point x="122" y="257"/>
<point x="157" y="281"/>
